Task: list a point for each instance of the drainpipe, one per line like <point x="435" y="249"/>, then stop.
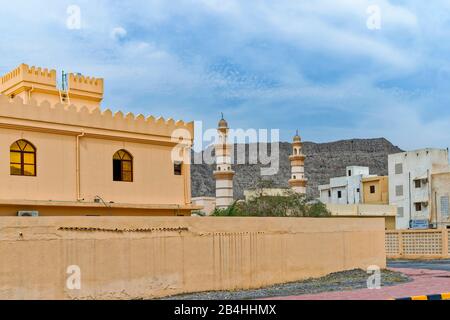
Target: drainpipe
<point x="435" y="211"/>
<point x="410" y="199"/>
<point x="29" y="93"/>
<point x="183" y="172"/>
<point x="432" y="205"/>
<point x="78" y="165"/>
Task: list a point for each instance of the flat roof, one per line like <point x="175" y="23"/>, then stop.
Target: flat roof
<point x="85" y="204"/>
<point x="373" y="178"/>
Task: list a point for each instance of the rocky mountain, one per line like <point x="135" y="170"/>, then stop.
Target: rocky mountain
<point x="323" y="161"/>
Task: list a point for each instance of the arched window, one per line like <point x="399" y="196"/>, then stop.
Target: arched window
<point x="22" y="158"/>
<point x="122" y="166"/>
<point x="178" y="168"/>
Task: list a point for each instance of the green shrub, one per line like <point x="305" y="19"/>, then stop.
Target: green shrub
<point x="289" y="205"/>
<point x="228" y="212"/>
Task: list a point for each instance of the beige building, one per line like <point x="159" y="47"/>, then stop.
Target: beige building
<point x="208" y="204"/>
<point x="365" y="211"/>
<point x="62" y="155"/>
<point x="375" y="190"/>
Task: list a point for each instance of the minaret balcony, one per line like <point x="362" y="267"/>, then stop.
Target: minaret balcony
<point x="298" y="182"/>
<point x="223" y="175"/>
<point x="297" y="157"/>
<point x="221" y="146"/>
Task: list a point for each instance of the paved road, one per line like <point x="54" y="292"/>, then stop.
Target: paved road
<point x="424" y="282"/>
<point x="428" y="277"/>
<point x="420" y="264"/>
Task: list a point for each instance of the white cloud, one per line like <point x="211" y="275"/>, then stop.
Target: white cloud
<point x="294" y="62"/>
<point x="118" y="33"/>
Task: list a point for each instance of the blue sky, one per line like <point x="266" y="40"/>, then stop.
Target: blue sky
<point x="311" y="65"/>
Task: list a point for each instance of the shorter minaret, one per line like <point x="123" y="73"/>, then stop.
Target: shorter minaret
<point x="298" y="180"/>
<point x="223" y="173"/>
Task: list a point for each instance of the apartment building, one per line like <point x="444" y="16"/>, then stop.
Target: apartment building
<point x="375" y="190"/>
<point x="345" y="190"/>
<point x="410" y="181"/>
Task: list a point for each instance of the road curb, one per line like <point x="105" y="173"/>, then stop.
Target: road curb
<point x="440" y="296"/>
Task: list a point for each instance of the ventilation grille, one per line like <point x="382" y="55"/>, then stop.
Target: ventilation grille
<point x="422" y="243"/>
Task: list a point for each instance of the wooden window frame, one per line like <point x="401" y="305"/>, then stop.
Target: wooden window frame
<point x="122" y="170"/>
<point x="22" y="163"/>
<point x="175" y="171"/>
<point x="418" y="206"/>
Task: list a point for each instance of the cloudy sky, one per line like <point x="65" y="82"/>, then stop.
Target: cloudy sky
<point x="311" y="65"/>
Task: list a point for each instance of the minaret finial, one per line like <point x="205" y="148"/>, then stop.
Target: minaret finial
<point x="296" y="132"/>
<point x="222" y="115"/>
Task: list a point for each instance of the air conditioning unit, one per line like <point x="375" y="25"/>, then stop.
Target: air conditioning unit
<point x="27" y="213"/>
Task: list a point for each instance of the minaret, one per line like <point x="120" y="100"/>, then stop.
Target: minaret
<point x="298" y="181"/>
<point x="223" y="173"/>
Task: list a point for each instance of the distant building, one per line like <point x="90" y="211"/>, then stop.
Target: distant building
<point x="345" y="190"/>
<point x="410" y="180"/>
<point x="208" y="204"/>
<point x="375" y="190"/>
<point x="365" y="211"/>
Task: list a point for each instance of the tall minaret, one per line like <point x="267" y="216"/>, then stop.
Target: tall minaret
<point x="223" y="173"/>
<point x="298" y="181"/>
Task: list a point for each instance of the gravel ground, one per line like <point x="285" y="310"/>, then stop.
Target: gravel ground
<point x="339" y="281"/>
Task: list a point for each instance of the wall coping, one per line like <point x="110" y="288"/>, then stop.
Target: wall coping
<point x="83" y="117"/>
<point x="85" y="204"/>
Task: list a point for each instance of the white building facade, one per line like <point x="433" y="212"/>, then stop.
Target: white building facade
<point x="345" y="190"/>
<point x="410" y="185"/>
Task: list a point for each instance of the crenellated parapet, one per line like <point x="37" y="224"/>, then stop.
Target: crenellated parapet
<point x="83" y="119"/>
<point x="24" y="77"/>
<point x="85" y="85"/>
<point x="41" y="84"/>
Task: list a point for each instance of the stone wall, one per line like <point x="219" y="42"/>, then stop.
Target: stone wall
<point x="148" y="257"/>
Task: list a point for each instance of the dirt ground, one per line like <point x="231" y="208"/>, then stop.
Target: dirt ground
<point x="339" y="281"/>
